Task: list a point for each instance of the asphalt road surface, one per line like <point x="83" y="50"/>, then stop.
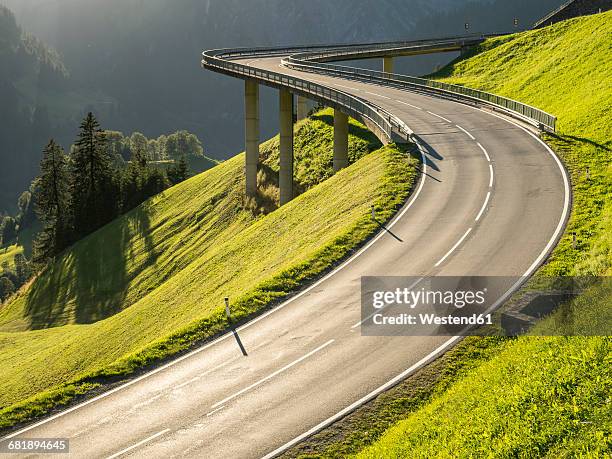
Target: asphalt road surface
<point x="492" y="201"/>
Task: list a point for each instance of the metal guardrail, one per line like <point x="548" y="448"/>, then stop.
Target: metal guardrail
<point x="458" y="40"/>
<point x="551" y="14"/>
<point x="387" y="124"/>
<point x="395" y="48"/>
<point x="305" y="62"/>
<point x="309" y="58"/>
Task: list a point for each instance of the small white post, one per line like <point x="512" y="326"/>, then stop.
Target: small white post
<point x="227" y="309"/>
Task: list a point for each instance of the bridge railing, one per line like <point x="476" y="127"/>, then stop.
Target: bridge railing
<point x="338" y="49"/>
<point x="387" y="124"/>
<point x="306" y="61"/>
<point x="310" y="58"/>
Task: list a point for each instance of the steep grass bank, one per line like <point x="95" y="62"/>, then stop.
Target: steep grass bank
<point x="152" y="283"/>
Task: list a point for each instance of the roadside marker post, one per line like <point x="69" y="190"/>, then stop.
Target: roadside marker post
<point x="227" y="309"/>
<point x="373" y="212"/>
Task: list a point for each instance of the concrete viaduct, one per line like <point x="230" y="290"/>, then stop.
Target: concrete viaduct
<point x="288" y="96"/>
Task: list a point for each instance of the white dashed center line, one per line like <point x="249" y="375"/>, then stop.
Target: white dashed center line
<point x="469" y="135"/>
<point x="215" y="410"/>
<point x="439" y="116"/>
<point x="140" y="443"/>
<point x="457" y="244"/>
<point x="378" y="95"/>
<point x="270" y="376"/>
<point x="410" y="105"/>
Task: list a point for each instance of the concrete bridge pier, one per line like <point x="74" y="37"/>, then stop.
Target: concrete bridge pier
<point x="388" y="64"/>
<point x="286" y="146"/>
<point x="340" y="140"/>
<point x="251" y="134"/>
<point x="302" y="108"/>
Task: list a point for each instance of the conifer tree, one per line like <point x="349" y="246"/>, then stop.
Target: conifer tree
<point x="131" y="182"/>
<point x="51" y="199"/>
<point x="6" y="288"/>
<point x="179" y="171"/>
<point x="93" y="189"/>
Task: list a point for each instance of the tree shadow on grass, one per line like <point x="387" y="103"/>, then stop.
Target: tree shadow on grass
<point x="568" y="140"/>
<point x="90" y="280"/>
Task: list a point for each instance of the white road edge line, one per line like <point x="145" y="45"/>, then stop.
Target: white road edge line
<point x="469" y="135"/>
<point x="439" y="116"/>
<point x="272" y="375"/>
<point x="406" y="103"/>
<point x="490" y="176"/>
<point x="140" y="443"/>
<point x="425" y="360"/>
<point x="380" y="234"/>
<point x="484" y="206"/>
<point x="457" y="244"/>
<point x="484" y="151"/>
<point x="451" y="341"/>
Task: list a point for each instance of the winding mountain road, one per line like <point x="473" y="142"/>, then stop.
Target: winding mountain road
<point x="493" y="200"/>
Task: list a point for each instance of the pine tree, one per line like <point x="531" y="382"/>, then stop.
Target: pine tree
<point x="179" y="171"/>
<point x="140" y="181"/>
<point x="6" y="288"/>
<point x="93" y="190"/>
<point x="23" y="270"/>
<point x="183" y="168"/>
<point x="140" y="158"/>
<point x="8" y="230"/>
<point x="130" y="186"/>
<point x="51" y="202"/>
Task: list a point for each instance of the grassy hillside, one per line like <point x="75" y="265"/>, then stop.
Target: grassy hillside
<point x="152" y="282"/>
<point x="540" y="397"/>
<point x="21" y="245"/>
<point x="532" y="396"/>
<point x="7" y="255"/>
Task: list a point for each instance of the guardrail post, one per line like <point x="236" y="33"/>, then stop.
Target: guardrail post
<point x="286" y="146"/>
<point x="251" y="134"/>
<point x="340" y="140"/>
<point x="302" y="107"/>
<point x="388" y="64"/>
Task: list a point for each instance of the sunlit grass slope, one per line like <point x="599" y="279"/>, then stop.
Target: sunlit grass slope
<point x="538" y="398"/>
<point x="541" y="396"/>
<point x="7" y="255"/>
<point x="152" y="282"/>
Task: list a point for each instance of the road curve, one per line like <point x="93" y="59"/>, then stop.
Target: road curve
<point x="493" y="201"/>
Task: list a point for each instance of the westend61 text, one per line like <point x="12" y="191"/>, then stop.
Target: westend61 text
<point x="431" y="319"/>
